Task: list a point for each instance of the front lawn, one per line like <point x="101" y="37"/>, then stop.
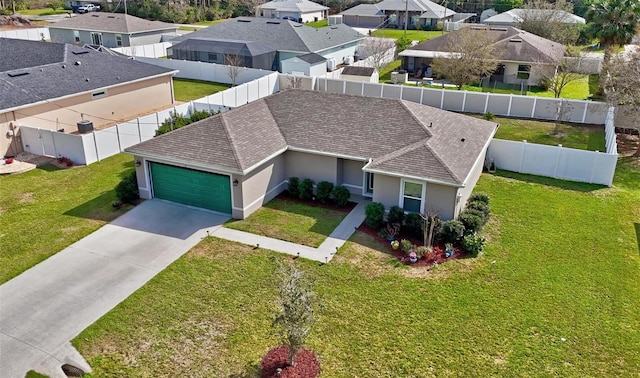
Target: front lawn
<point x="582" y="137"/>
<point x="187" y="89"/>
<point x="43" y="12"/>
<point x="554" y="294"/>
<point x="318" y="24"/>
<point x="413" y="35"/>
<point x="47" y="209"/>
<point x="291" y="221"/>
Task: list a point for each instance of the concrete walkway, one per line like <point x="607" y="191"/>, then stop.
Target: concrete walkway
<point x="324" y="253"/>
<point x="45" y="307"/>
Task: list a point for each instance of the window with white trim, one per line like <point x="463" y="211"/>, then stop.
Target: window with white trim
<point x="412" y="196"/>
<point x="119" y="40"/>
<point x="524" y="71"/>
<point x="369" y="182"/>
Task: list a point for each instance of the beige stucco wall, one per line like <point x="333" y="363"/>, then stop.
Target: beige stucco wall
<point x="538" y="72"/>
<point x="260" y="186"/>
<point x="386" y="189"/>
<point x="441" y="199"/>
<point x="316" y="167"/>
<point x="366" y="79"/>
<point x="471" y="183"/>
<point x="352" y="175"/>
<point x="121" y="103"/>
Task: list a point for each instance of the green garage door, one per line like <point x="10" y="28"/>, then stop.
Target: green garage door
<point x="195" y="188"/>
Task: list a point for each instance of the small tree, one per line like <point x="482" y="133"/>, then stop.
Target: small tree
<point x="376" y="50"/>
<point x="235" y="66"/>
<point x="297" y="313"/>
<point x="55" y="4"/>
<point x="472" y="56"/>
<point x="550" y="20"/>
<point x="567" y="72"/>
<point x="562" y="109"/>
<point x="431" y="222"/>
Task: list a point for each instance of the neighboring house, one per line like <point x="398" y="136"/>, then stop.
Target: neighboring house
<point x="296" y="10"/>
<point x="366" y="74"/>
<point x="524" y="57"/>
<point x="514" y="17"/>
<point x="394" y="151"/>
<point x="52" y="86"/>
<point x="110" y="30"/>
<point x="310" y="64"/>
<point x="282" y="39"/>
<point x="392" y="13"/>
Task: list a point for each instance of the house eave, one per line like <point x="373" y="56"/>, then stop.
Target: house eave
<point x="183" y="163"/>
<point x="324" y="153"/>
<point x="258" y="164"/>
<point x="485" y="148"/>
<point x="418" y="178"/>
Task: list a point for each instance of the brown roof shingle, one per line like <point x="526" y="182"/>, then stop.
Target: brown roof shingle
<point x="400" y="137"/>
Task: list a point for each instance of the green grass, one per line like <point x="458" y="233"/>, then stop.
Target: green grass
<point x="43" y="12"/>
<point x="583" y="137"/>
<point x="187" y="89"/>
<point x="554" y="294"/>
<point x="318" y="24"/>
<point x="291" y="221"/>
<point x="35" y="374"/>
<point x="47" y="209"/>
<point x="414" y="35"/>
<point x="385" y="72"/>
<point x="202" y="23"/>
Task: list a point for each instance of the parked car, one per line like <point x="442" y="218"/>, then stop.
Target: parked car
<point x="88" y="8"/>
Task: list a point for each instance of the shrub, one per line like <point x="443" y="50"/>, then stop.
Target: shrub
<point x="374" y="215"/>
<point x="176" y="121"/>
<point x="451" y="231"/>
<point x="323" y="191"/>
<point x="293" y="188"/>
<point x="484" y="217"/>
<point x="472" y="222"/>
<point x="423" y="251"/>
<point x="479" y="206"/>
<point x="479" y="197"/>
<point x="413" y="224"/>
<point x="488" y="116"/>
<point x="305" y="189"/>
<point x="473" y="244"/>
<point x="341" y="195"/>
<point x="127" y="189"/>
<point x="406" y="246"/>
<point x="396" y="214"/>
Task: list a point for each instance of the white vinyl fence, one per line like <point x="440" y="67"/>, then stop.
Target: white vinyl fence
<point x="100" y="144"/>
<point x="558" y="162"/>
<point x="32" y="34"/>
<point x="154" y="50"/>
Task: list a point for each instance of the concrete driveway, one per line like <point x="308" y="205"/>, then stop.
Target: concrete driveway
<point x="45" y="307"/>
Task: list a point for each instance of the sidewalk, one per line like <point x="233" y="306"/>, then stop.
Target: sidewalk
<point x="324" y="253"/>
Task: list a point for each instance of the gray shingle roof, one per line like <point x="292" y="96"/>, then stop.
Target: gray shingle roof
<point x="281" y="35"/>
<point x="400" y="137"/>
<point x="515" y="16"/>
<point x="112" y="23"/>
<point x="358" y="71"/>
<point x="57" y="74"/>
<point x="363" y="10"/>
<point x="293" y="6"/>
<point x="514" y="44"/>
<point x="312" y="58"/>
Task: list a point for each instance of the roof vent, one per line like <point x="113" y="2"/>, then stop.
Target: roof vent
<point x="273" y="22"/>
<point x="462" y="140"/>
<point x="241" y="20"/>
<point x="110" y="17"/>
<point x="334" y="27"/>
<point x="80" y="52"/>
<point x="16" y="74"/>
<point x="498" y="29"/>
<point x="95" y="15"/>
<point x="515" y="40"/>
<point x="298" y="26"/>
<point x="77" y="63"/>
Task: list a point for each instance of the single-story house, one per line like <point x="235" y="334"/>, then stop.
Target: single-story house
<point x="310" y="64"/>
<point x="110" y="30"/>
<point x="523" y="56"/>
<point x="287" y="38"/>
<point x="515" y="16"/>
<point x="393" y="151"/>
<point x="366" y="74"/>
<point x="52" y="86"/>
<point x="392" y="13"/>
<point x="296" y="10"/>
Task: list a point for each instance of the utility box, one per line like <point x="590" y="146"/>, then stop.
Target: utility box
<point x="84" y="127"/>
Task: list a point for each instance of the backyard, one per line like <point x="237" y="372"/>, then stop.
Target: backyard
<point x="555" y="293"/>
<point x="186" y="90"/>
<point x="413" y="35"/>
<point x="47" y="209"/>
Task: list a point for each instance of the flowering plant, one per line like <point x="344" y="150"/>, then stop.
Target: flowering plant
<point x="395" y="244"/>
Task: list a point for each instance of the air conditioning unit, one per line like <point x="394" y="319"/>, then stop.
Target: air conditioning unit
<point x="348" y="60"/>
<point x="331" y="64"/>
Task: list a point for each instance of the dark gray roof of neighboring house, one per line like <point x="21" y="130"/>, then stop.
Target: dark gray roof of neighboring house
<point x="112" y="23"/>
<point x="25" y="81"/>
<point x="400" y="137"/>
<point x="312" y="58"/>
<point x="358" y="71"/>
<point x="281" y="35"/>
<point x="229" y="46"/>
<point x="514" y="44"/>
<point x="293" y="6"/>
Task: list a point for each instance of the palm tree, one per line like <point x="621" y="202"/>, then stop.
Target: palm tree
<point x="614" y="23"/>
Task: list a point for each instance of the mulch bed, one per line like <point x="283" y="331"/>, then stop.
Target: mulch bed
<point x="437" y="257"/>
<point x="285" y="196"/>
<point x="274" y="364"/>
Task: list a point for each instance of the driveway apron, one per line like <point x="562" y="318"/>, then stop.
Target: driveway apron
<point x="42" y="309"/>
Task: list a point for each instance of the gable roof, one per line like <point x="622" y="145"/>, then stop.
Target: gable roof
<point x="293" y="6"/>
<point x="515" y="16"/>
<point x="312" y="58"/>
<point x="428" y="9"/>
<point x="396" y="136"/>
<point x="363" y="10"/>
<point x="34" y="71"/>
<point x="281" y="35"/>
<point x="358" y="71"/>
<point x="514" y="44"/>
<point x="112" y="23"/>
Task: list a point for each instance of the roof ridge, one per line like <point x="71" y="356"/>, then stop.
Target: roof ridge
<point x="271" y="112"/>
<point x="401" y="151"/>
<point x="230" y="138"/>
<point x="446" y="167"/>
<point x="404" y="103"/>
